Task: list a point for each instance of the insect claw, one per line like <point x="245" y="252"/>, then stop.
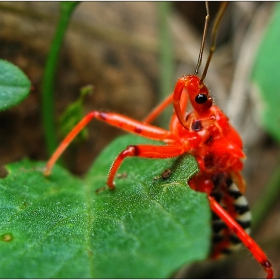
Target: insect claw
<point x="47" y="171"/>
<point x="112" y="186"/>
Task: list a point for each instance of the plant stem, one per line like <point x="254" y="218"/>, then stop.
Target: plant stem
<point x="166" y="58"/>
<point x="66" y="10"/>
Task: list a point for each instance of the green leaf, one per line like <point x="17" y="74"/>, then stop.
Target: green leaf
<point x="14" y="85"/>
<point x="73" y="114"/>
<point x="265" y="75"/>
<point x="58" y="227"/>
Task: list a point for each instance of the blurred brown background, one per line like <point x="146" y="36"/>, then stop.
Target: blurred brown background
<point x="114" y="47"/>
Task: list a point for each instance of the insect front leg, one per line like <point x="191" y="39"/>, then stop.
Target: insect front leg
<point x="144" y="151"/>
<point x="256" y="251"/>
<point x="116" y="120"/>
<point x="158" y="109"/>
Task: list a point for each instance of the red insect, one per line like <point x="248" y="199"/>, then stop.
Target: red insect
<point x="206" y="134"/>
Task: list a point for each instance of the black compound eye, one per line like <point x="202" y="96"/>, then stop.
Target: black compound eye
<point x="201" y="98"/>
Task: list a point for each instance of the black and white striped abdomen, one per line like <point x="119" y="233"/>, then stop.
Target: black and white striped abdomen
<point x="233" y="201"/>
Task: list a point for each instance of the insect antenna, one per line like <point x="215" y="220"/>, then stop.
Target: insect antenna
<point x="217" y="21"/>
<point x="206" y="23"/>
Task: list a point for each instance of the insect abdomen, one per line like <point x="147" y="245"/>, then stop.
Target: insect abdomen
<point x="224" y="241"/>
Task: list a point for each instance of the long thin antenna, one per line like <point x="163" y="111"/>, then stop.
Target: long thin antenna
<point x="218" y="19"/>
<point x="206" y="23"/>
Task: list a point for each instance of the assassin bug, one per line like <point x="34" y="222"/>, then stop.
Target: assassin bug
<point x="206" y="134"/>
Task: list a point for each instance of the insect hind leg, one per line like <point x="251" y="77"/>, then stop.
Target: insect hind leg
<point x="256" y="251"/>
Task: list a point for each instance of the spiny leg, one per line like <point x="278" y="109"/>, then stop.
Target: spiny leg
<point x="113" y="119"/>
<point x="144" y="151"/>
<point x="180" y="87"/>
<point x="256" y="251"/>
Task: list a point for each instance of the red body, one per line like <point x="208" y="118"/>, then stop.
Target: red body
<point x="206" y="134"/>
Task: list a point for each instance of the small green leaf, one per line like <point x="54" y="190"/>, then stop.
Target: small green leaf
<point x="265" y="74"/>
<point x="73" y="114"/>
<point x="14" y="85"/>
<point x="58" y="227"/>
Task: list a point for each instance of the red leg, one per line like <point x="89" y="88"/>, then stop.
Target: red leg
<point x="256" y="251"/>
<point x="239" y="180"/>
<point x="116" y="120"/>
<point x="157" y="110"/>
<point x="145" y="151"/>
<point x="179" y="87"/>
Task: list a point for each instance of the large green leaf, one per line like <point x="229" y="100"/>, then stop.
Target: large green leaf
<point x="266" y="74"/>
<point x="14" y="85"/>
<point x="148" y="227"/>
